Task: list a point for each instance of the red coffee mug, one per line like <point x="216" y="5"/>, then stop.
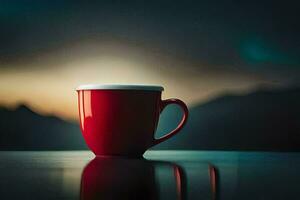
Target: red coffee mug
<point x="121" y="120"/>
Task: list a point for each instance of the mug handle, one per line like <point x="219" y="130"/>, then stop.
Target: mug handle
<point x="165" y="103"/>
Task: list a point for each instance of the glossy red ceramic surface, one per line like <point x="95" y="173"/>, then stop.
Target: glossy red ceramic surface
<point x="122" y="122"/>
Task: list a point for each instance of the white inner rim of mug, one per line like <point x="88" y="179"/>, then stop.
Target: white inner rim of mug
<point x="119" y="87"/>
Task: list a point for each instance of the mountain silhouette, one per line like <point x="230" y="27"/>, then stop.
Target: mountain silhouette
<point x="23" y="129"/>
<point x="262" y="120"/>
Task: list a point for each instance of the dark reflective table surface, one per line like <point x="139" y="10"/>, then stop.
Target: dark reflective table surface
<point x="160" y="175"/>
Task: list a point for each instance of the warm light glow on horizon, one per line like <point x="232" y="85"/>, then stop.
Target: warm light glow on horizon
<point x="51" y="89"/>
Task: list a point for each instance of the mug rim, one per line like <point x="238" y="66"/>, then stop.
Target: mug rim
<point x="120" y="87"/>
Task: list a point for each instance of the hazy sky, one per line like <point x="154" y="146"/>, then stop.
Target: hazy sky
<point x="196" y="50"/>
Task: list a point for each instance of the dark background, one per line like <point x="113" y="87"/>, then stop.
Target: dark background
<point x="236" y="64"/>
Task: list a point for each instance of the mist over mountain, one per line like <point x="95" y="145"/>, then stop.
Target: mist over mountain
<point x="262" y="120"/>
<point x="23" y="129"/>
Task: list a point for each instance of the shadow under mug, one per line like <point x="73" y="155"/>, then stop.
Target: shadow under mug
<point x="121" y="120"/>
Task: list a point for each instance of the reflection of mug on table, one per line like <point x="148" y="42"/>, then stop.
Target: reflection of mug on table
<point x="105" y="178"/>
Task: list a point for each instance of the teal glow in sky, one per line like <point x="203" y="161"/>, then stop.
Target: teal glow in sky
<point x="258" y="51"/>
